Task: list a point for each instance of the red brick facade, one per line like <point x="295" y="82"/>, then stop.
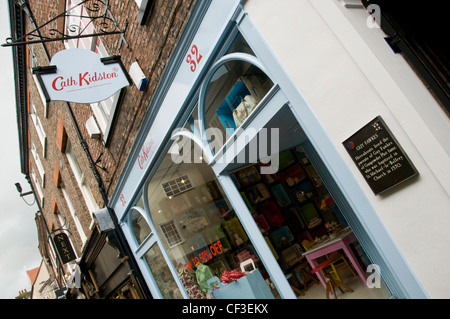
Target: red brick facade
<point x="151" y="45"/>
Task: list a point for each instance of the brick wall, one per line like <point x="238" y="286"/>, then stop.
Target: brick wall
<point x="151" y="45"/>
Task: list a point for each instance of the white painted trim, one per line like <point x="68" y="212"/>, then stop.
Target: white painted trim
<point x="256" y="237"/>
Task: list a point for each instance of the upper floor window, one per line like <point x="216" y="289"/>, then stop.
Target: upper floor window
<point x="38" y="163"/>
<point x="74" y="215"/>
<point x="144" y="10"/>
<point x="79" y="23"/>
<point x="419" y="42"/>
<point x="35" y="63"/>
<point x="81" y="178"/>
<point x="39" y="128"/>
<point x="38" y="186"/>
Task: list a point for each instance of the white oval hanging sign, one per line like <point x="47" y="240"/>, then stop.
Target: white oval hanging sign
<point x="81" y="76"/>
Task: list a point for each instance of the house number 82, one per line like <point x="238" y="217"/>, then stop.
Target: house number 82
<point x="194" y="59"/>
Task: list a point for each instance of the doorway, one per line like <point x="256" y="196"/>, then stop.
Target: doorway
<point x="296" y="211"/>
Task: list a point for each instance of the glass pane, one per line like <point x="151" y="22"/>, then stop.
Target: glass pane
<point x="162" y="274"/>
<point x="140" y="202"/>
<point x="141" y="229"/>
<point x="199" y="228"/>
<point x="240" y="45"/>
<point x="233" y="93"/>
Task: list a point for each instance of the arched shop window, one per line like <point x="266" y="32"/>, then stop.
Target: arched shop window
<point x="230" y="92"/>
<point x="234" y="89"/>
<point x="198" y="226"/>
<point x="149" y="253"/>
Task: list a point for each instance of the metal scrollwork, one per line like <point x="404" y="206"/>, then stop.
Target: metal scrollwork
<point x="88" y="18"/>
<point x="94" y="5"/>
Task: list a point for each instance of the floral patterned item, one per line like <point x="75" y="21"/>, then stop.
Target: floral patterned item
<point x="190" y="283"/>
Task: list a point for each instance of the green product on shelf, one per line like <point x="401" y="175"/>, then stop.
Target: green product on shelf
<point x="235" y="231"/>
<point x="216" y="233"/>
<point x="286" y="158"/>
<point x="310" y="215"/>
<point x="247" y="202"/>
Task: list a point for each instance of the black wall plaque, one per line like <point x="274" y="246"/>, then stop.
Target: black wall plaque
<point x="64" y="247"/>
<point x="379" y="157"/>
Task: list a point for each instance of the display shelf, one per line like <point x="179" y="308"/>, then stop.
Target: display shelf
<point x="291" y="211"/>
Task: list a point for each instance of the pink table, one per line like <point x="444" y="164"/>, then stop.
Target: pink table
<point x="342" y="241"/>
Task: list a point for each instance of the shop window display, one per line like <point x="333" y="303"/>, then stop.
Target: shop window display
<point x="234" y="92"/>
<point x="153" y="255"/>
<point x="199" y="228"/>
<point x="204" y="237"/>
<point x="161" y="273"/>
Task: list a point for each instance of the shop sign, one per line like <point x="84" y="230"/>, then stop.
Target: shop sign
<point x="81" y="76"/>
<point x="379" y="157"/>
<point x="64" y="247"/>
<point x="204" y="255"/>
<point x="146" y="153"/>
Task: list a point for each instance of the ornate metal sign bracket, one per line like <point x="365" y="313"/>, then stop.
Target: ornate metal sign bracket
<point x="88" y="18"/>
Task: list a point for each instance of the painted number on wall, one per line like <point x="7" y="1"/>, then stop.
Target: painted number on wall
<point x="122" y="199"/>
<point x="194" y="59"/>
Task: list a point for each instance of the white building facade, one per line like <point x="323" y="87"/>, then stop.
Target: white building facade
<point x="319" y="72"/>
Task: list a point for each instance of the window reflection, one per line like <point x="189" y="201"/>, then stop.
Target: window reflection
<point x="161" y="273"/>
<point x="140" y="203"/>
<point x="234" y="91"/>
<point x="199" y="228"/>
<point x="141" y="229"/>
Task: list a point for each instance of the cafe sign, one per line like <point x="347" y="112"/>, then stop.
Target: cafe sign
<point x="379" y="157"/>
<point x="64" y="248"/>
<point x="81" y="76"/>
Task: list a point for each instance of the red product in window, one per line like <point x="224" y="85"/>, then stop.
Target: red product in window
<point x="232" y="275"/>
<point x="272" y="213"/>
